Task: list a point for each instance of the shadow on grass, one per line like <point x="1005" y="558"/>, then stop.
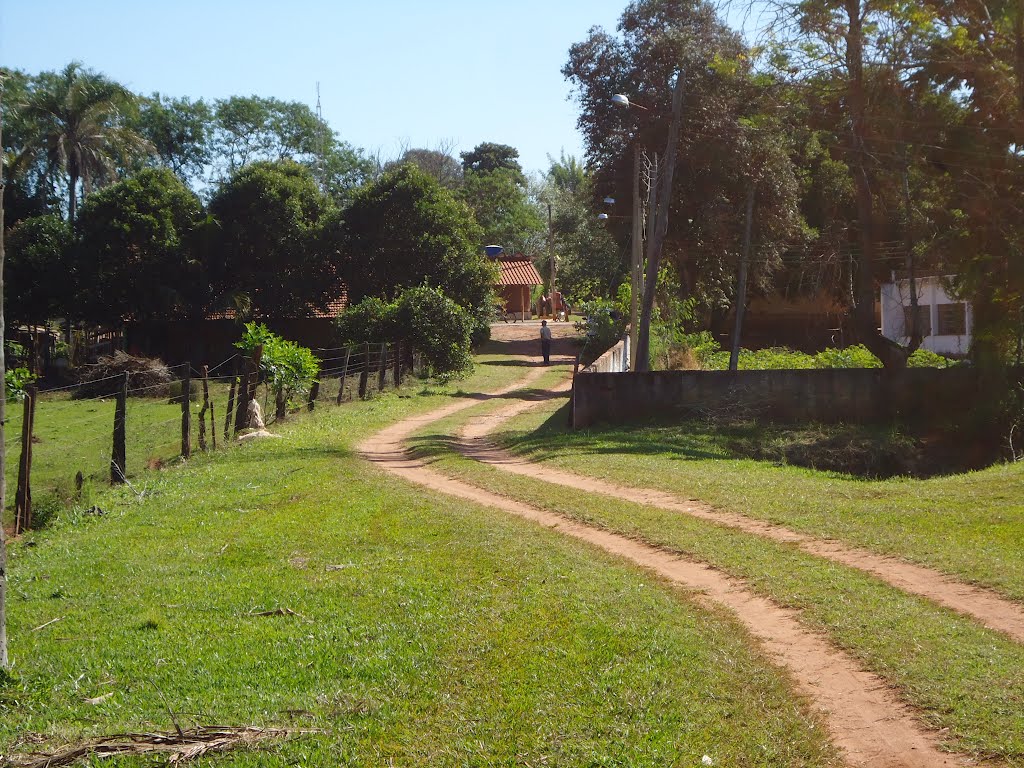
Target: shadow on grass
<point x="861" y="452"/>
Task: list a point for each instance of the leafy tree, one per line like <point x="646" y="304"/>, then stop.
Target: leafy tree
<point x="503" y="209"/>
<point x="141" y="227"/>
<point x="269" y="245"/>
<point x="728" y="140"/>
<point x="437" y="163"/>
<point x="39" y="271"/>
<point x="249" y="129"/>
<point x="180" y="131"/>
<point x="590" y="265"/>
<point x="405" y="230"/>
<point x="488" y="158"/>
<point x="76" y="128"/>
<point x="423" y="319"/>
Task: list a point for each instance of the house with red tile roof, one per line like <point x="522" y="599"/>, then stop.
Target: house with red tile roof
<point x="516" y="282"/>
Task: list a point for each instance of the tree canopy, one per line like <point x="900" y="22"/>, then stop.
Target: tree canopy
<point x="268" y="251"/>
<point x="406" y="230"/>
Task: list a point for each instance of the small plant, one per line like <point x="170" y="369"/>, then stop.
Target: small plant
<point x="289" y="369"/>
<point x="602" y="326"/>
<point x="16" y="383"/>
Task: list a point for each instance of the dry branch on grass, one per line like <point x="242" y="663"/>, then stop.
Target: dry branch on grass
<point x="149" y="376"/>
<point x="178" y="746"/>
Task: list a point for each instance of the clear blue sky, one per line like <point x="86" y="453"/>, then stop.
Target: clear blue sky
<point x="391" y="72"/>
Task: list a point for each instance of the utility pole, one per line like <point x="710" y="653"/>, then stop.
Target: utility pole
<point x="741" y="288"/>
<point x="4" y="663"/>
<point x="636" y="259"/>
<point x="551" y="252"/>
<point x="656" y="242"/>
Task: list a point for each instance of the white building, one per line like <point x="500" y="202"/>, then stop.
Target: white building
<point x="945" y="322"/>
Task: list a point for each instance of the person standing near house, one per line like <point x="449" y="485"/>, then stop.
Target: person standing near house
<point x="545" y="341"/>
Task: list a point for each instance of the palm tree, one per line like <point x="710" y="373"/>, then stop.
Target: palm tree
<point x="77" y="129"/>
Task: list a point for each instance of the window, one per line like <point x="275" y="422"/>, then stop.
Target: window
<point x="924" y="320"/>
<point x="952" y="319"/>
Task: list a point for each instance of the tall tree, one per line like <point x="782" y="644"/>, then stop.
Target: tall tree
<point x="180" y="131"/>
<point x="39" y="275"/>
<point x="4" y="663"/>
<point x="591" y="265"/>
<point x="406" y="230"/>
<point x="268" y="249"/>
<point x="142" y="226"/>
<point x="78" y="128"/>
<point x="662" y="47"/>
<point x="489" y="157"/>
<point x="437" y="163"/>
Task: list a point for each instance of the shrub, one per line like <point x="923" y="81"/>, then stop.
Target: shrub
<point x="602" y="326"/>
<point x="370" y="321"/>
<point x="925" y="358"/>
<point x="857" y="356"/>
<point x="288" y="368"/>
<point x="436" y="327"/>
<point x="16" y="382"/>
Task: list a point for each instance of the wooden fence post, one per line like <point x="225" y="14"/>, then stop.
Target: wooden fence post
<point x="314" y="392"/>
<point x="398" y="364"/>
<point x="23" y="498"/>
<point x="206" y="407"/>
<point x="186" y="413"/>
<point x="118" y="458"/>
<point x="231" y="400"/>
<point x="344" y="375"/>
<point x="364" y="374"/>
<point x="213" y="427"/>
<point x="382" y="373"/>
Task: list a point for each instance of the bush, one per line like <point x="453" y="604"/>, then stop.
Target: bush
<point x="436" y="327"/>
<point x="925" y="358"/>
<point x="16" y="382"/>
<point x="602" y="326"/>
<point x="857" y="356"/>
<point x="288" y="368"/>
<point x="370" y="321"/>
<point x="425" y="319"/>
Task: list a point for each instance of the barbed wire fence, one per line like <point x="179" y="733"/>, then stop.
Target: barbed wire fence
<point x="67" y="443"/>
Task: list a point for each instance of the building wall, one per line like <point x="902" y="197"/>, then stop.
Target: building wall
<point x="939" y="312"/>
<point x="863" y="395"/>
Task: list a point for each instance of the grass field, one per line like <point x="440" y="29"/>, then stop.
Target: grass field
<point x="970" y="525"/>
<point x="415" y="630"/>
<point x="964" y="678"/>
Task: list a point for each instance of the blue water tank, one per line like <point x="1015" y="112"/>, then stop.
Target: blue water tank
<point x="493" y="250"/>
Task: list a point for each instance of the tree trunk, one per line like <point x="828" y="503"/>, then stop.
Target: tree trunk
<point x="72" y="196"/>
<point x="741" y="287"/>
<point x="866" y="330"/>
<point x="643" y="350"/>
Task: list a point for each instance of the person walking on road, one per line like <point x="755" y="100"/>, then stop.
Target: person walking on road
<point x="545" y="341"/>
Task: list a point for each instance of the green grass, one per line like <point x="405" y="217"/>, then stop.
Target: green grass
<point x="969" y="525"/>
<point x="428" y="631"/>
<point x="963" y="677"/>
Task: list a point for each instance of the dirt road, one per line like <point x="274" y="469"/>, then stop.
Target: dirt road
<point x="865" y="718"/>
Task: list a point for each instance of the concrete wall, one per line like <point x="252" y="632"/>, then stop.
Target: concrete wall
<point x="615" y="360"/>
<point x="862" y="395"/>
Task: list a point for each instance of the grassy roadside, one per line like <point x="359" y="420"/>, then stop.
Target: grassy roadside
<point x="969" y="525"/>
<point x="963" y="677"/>
<point x="425" y="630"/>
